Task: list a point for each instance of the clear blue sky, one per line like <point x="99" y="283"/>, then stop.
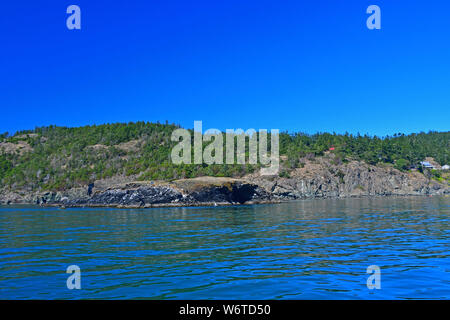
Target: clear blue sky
<point x="291" y="65"/>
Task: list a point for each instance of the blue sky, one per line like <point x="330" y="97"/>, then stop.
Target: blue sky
<point x="291" y="65"/>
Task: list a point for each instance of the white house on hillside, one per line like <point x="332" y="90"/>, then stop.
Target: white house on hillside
<point x="427" y="165"/>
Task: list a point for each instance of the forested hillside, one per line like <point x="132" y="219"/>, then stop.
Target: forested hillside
<point x="57" y="158"/>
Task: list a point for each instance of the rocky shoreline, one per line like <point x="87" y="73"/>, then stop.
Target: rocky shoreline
<point x="205" y="191"/>
<point x="195" y="192"/>
<point x="317" y="179"/>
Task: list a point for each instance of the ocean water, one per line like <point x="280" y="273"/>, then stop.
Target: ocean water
<point x="312" y="249"/>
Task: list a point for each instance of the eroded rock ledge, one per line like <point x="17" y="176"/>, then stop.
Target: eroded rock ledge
<point x="188" y="192"/>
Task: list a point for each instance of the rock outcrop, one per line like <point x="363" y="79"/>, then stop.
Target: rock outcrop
<point x="188" y="192"/>
<point x="324" y="179"/>
<point x="318" y="178"/>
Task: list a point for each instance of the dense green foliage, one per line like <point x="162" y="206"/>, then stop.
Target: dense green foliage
<point x="409" y="149"/>
<point x="64" y="157"/>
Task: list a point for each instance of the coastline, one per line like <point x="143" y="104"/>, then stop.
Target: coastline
<point x="318" y="179"/>
<point x="226" y="204"/>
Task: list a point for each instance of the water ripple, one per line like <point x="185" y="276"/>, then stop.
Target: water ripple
<point x="312" y="249"/>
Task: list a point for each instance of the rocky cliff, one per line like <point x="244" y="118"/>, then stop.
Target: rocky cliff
<point x="322" y="178"/>
<point x="186" y="192"/>
<point x="318" y="178"/>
